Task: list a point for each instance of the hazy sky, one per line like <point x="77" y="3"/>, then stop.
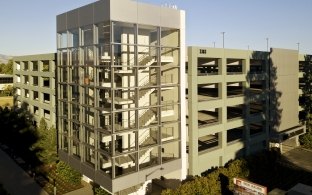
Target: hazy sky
<point x="29" y="26"/>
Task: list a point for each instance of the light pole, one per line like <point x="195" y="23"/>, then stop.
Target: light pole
<point x="214" y="44"/>
<point x="267" y="40"/>
<point x="222" y="39"/>
<point x="298" y="44"/>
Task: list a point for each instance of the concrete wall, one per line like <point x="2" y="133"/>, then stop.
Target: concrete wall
<point x="284" y="84"/>
<point x="21" y="85"/>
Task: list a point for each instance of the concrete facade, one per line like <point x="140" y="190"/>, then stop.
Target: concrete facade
<point x="119" y="85"/>
<point x="34" y="85"/>
<point x="238" y="102"/>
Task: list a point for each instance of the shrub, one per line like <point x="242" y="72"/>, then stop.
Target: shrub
<point x="67" y="173"/>
<point x="100" y="191"/>
<point x="217" y="181"/>
<point x="306" y="140"/>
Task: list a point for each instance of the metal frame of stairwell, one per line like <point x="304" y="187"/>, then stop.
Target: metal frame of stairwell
<point x="120" y="120"/>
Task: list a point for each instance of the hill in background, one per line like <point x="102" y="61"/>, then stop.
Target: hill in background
<point x="4" y="58"/>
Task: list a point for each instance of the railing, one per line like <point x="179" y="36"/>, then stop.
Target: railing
<point x="209" y="122"/>
<point x="207" y="73"/>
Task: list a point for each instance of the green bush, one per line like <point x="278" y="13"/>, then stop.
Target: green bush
<point x="100" y="191"/>
<point x="306" y="140"/>
<point x="67" y="173"/>
<point x="218" y="181"/>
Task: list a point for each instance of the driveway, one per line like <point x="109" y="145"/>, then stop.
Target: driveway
<point x="300" y="157"/>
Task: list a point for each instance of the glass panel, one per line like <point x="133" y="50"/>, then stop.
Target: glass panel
<point x="64" y="57"/>
<point x="75" y="93"/>
<point x="63" y="40"/>
<point x="147" y="35"/>
<point x="90" y="155"/>
<point x="75" y="56"/>
<point x="63" y="74"/>
<point x="76" y="148"/>
<point x="74" y="74"/>
<point x="104" y="55"/>
<point x="75" y="112"/>
<point x="105" y="120"/>
<point x="148" y="117"/>
<point x="104" y="33"/>
<point x="106" y="164"/>
<point x="65" y="127"/>
<point x="124" y="120"/>
<point x="169" y="37"/>
<point x="88" y="76"/>
<point x="89" y="136"/>
<point x="88" y="55"/>
<point x="127" y="55"/>
<point x="64" y="108"/>
<point x="106" y="143"/>
<point x="149" y="157"/>
<point x="76" y="130"/>
<point x="123" y="32"/>
<point x="170" y="132"/>
<point x="170" y="151"/>
<point x="147" y="56"/>
<point x="73" y="38"/>
<point x="125" y="164"/>
<point x="87" y="33"/>
<point x="89" y="116"/>
<point x="148" y="136"/>
<point x="169" y="75"/>
<point x="64" y="145"/>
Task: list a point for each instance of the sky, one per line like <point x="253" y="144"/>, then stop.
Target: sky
<point x="29" y="27"/>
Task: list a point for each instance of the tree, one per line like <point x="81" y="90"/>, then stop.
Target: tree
<point x="7" y="68"/>
<point x="306" y="139"/>
<point x="47" y="143"/>
<point x="8" y="90"/>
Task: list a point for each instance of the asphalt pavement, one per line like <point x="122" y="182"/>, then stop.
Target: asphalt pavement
<point x="15" y="180"/>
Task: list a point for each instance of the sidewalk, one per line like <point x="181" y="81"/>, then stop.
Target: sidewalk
<point x="86" y="190"/>
<point x="15" y="180"/>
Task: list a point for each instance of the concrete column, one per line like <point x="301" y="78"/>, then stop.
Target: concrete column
<point x="193" y="112"/>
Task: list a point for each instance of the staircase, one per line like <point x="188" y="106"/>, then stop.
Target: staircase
<point x="147" y="118"/>
<point x="147" y="61"/>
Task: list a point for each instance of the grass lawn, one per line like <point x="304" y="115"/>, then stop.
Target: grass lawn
<point x="6" y="101"/>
